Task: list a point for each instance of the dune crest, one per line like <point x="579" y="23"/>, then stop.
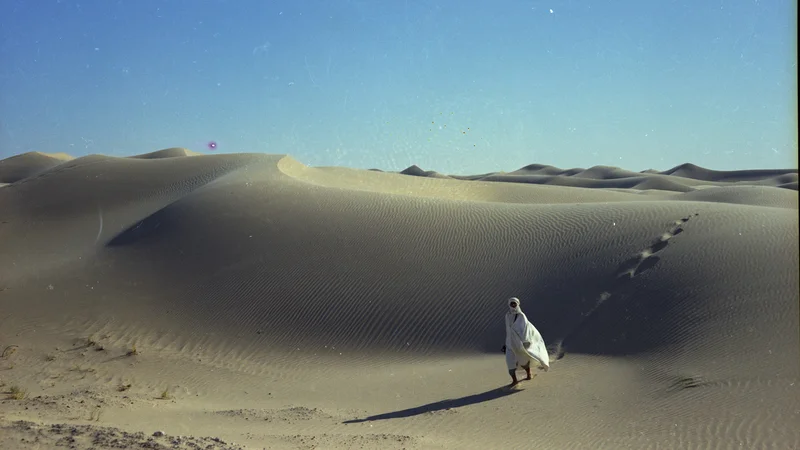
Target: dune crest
<point x="173" y="152"/>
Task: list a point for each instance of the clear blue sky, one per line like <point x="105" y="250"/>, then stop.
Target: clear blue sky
<point x="454" y="86"/>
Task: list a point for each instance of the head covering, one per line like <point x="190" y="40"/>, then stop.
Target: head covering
<point x="516" y="309"/>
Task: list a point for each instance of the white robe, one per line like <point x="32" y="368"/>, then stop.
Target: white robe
<point x="524" y="344"/>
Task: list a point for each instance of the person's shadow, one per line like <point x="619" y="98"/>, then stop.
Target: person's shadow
<point x="441" y="405"/>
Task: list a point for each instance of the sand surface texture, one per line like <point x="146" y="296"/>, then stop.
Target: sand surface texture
<point x="248" y="301"/>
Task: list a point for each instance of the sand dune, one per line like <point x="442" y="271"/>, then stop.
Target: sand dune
<point x="28" y="164"/>
<point x="173" y="152"/>
<point x="683" y="178"/>
<point x="252" y="298"/>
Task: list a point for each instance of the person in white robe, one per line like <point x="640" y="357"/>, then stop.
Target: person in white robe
<point x="524" y="345"/>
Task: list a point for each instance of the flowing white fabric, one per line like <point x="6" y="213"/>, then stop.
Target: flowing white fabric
<point x="524" y="344"/>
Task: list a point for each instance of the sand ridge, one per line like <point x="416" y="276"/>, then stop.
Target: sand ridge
<point x="683" y="178"/>
<point x="276" y="305"/>
<point x="26" y="165"/>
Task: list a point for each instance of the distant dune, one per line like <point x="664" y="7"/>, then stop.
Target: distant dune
<point x="28" y="164"/>
<point x="173" y="152"/>
<point x="253" y="298"/>
<point x="683" y="178"/>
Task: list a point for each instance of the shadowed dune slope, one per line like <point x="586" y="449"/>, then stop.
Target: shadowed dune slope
<point x="58" y="215"/>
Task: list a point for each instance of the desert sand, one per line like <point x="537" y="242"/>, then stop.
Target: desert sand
<point x="176" y="300"/>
